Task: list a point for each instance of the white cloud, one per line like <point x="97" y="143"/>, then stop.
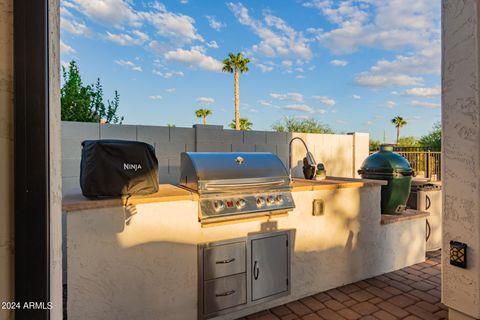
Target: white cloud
<point x="423" y="92"/>
<point x="74" y="27"/>
<point x="157" y="97"/>
<point x="183" y="1"/>
<point x="195" y="58"/>
<point x="205" y="101"/>
<point x="170" y="90"/>
<point x="65" y="48"/>
<point x="299" y="76"/>
<point x="339" y="63"/>
<point x="369" y="80"/>
<point x="424" y="104"/>
<point x="341" y="121"/>
<point x="368" y="123"/>
<point x="378" y="23"/>
<point x="215" y="24"/>
<point x="110" y="12"/>
<point x="172" y="25"/>
<point x="325" y="100"/>
<point x="356" y="97"/>
<point x="212" y="44"/>
<point x="167" y="74"/>
<point x="300" y="107"/>
<point x="277" y="37"/>
<point x="390" y="104"/>
<point x="264" y="67"/>
<point x="292" y="96"/>
<point x="124" y="39"/>
<point x="128" y="64"/>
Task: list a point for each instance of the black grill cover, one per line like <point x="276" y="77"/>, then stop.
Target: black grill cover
<point x="112" y="168"/>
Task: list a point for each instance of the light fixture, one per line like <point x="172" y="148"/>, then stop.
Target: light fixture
<point x="309" y="163"/>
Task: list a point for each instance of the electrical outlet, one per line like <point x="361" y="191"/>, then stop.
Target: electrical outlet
<point x="318" y="207"/>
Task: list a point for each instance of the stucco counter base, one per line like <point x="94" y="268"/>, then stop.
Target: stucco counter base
<point x="145" y="267"/>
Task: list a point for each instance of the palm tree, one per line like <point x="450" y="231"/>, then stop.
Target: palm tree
<point x="245" y="124"/>
<point x="399" y="122"/>
<point x="236" y="63"/>
<point x="203" y="113"/>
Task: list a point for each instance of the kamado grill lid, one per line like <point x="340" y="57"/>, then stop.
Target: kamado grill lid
<point x="386" y="162"/>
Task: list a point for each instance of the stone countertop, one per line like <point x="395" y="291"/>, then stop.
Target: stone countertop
<point x="170" y="192"/>
<point x="166" y="192"/>
<point x="408" y="214"/>
<point x="334" y="183"/>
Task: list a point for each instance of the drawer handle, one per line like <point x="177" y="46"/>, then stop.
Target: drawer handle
<point x="225" y="261"/>
<point x="225" y="293"/>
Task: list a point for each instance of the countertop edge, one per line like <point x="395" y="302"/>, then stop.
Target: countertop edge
<point x="409" y="214"/>
<point x="171" y="193"/>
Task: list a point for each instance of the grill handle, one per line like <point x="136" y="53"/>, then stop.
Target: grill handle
<point x="210" y="186"/>
<point x="225" y="261"/>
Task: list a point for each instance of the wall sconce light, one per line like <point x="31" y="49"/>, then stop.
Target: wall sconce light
<point x="458" y="254"/>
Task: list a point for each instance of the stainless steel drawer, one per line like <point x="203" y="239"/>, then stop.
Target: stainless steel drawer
<point x="224" y="260"/>
<point x="224" y="293"/>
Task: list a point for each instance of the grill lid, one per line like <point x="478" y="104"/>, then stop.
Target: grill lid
<point x="231" y="170"/>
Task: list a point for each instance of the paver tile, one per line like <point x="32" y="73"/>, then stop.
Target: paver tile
<point x="384" y="315"/>
<point x="312" y="303"/>
<point x="329" y="314"/>
<point x="338" y="295"/>
<point x="362" y="295"/>
<point x="298" y="308"/>
<point x="349" y="314"/>
<point x="311" y="316"/>
<point x="334" y="305"/>
<point x="365" y="308"/>
<point x="401" y="301"/>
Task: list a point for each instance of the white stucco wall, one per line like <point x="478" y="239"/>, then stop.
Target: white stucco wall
<point x="6" y="155"/>
<point x="461" y="153"/>
<point x="147" y="269"/>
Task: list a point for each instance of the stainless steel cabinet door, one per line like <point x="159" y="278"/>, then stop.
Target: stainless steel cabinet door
<point x="269" y="266"/>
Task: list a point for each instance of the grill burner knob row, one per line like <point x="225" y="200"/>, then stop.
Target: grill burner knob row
<point x="219" y="205"/>
<point x="260" y="202"/>
<point x="240" y="203"/>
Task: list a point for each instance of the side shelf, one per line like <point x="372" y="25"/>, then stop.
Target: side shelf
<point x="237" y="273"/>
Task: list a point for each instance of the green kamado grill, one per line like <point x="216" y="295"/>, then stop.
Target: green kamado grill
<point x="392" y="167"/>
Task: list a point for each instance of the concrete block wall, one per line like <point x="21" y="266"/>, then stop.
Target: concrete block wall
<point x="340" y="153"/>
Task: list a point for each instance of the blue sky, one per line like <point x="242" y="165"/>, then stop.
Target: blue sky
<point x="350" y="64"/>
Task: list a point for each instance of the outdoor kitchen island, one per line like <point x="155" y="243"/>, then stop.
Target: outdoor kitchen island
<point x="141" y="261"/>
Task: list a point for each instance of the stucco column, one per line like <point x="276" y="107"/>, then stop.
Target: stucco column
<point x="461" y="154"/>
<point x="56" y="289"/>
<point x="6" y="155"/>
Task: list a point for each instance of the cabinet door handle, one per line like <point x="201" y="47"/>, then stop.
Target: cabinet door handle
<point x="256" y="270"/>
<point x="225" y="261"/>
<point x="428" y="201"/>
<point x="224" y="294"/>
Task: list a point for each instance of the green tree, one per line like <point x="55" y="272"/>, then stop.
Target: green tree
<point x="245" y="124"/>
<point x="398" y="122"/>
<point x="85" y="103"/>
<point x="433" y="140"/>
<point x="374" y="145"/>
<point x="236" y="64"/>
<point x="291" y="124"/>
<point x="170" y="125"/>
<point x="409" y="141"/>
<point x="203" y="113"/>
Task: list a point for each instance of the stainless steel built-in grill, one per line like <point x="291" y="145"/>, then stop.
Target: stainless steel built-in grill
<point x="236" y="183"/>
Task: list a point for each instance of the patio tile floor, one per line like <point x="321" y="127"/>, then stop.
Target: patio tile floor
<point x="410" y="293"/>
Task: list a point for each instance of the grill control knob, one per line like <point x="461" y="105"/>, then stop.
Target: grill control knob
<point x="260" y="201"/>
<point x="279" y="199"/>
<point x="240" y="203"/>
<point x="270" y="200"/>
<point x="219" y="205"/>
